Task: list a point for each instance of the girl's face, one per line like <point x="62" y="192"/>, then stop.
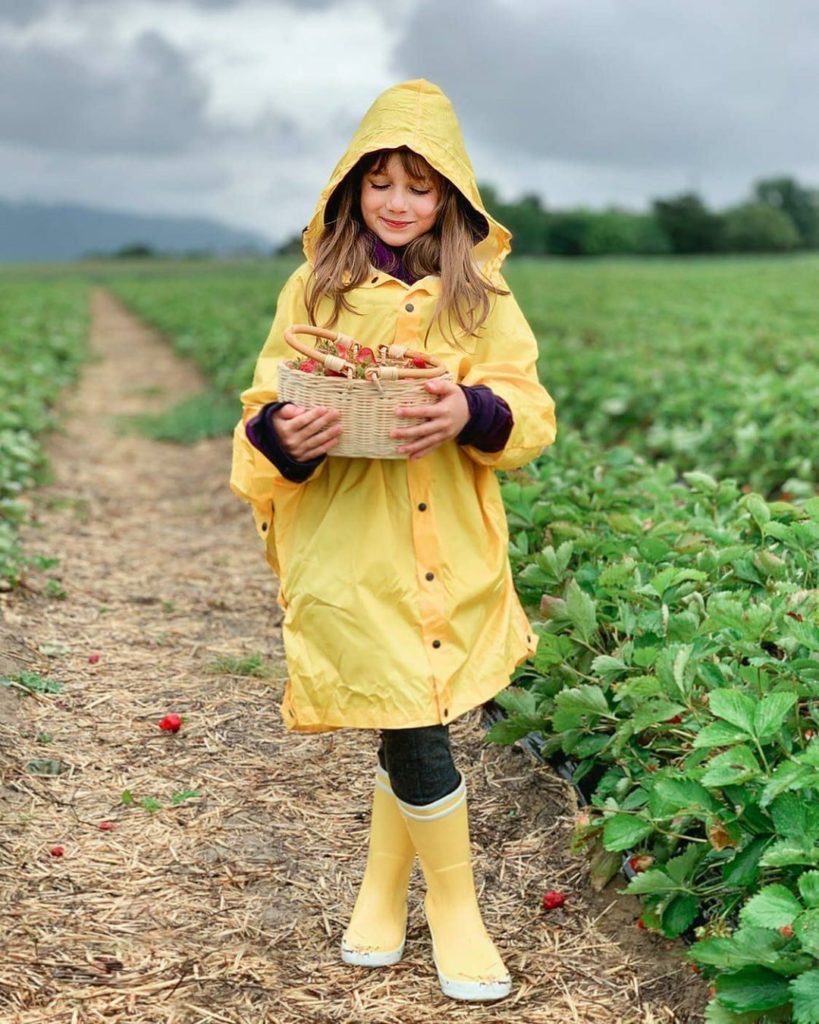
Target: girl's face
<point x="396" y="206"/>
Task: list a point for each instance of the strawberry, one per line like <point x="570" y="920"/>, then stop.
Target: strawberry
<point x="674" y="720"/>
<point x="640" y="863"/>
<point x="171" y="723"/>
<point x="341" y="349"/>
<point x="93" y="658"/>
<point x="57" y="851"/>
<point x="787" y="931"/>
<point x="309" y="365"/>
<point x="552" y="900"/>
<point x="365" y="355"/>
<point x="106" y="826"/>
<point x="419" y="363"/>
<point x="641" y="924"/>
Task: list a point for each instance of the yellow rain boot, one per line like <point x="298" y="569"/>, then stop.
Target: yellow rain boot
<point x="375" y="934"/>
<point x="469" y="966"/>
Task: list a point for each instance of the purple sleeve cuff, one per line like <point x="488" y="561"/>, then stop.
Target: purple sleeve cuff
<point x="490" y="420"/>
<point x="262" y="435"/>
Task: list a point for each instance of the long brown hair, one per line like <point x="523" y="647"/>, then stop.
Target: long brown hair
<point x="344" y="249"/>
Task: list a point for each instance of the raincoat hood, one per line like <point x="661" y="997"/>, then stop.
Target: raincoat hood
<point x="418" y="115"/>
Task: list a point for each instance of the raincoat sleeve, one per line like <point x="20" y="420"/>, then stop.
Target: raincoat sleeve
<point x="506" y="362"/>
<point x="254" y="478"/>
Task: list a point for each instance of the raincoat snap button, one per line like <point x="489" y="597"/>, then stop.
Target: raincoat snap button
<point x="430" y="576"/>
<point x="409" y="307"/>
<point x="422" y="507"/>
<point x="436" y="644"/>
<point x="374" y="280"/>
<point x="264" y="526"/>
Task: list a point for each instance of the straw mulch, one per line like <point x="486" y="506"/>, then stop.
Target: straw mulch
<point x="228" y="906"/>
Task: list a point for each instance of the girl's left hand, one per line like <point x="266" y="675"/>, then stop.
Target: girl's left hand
<point x="441" y="421"/>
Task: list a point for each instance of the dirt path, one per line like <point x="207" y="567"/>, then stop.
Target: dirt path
<point x="228" y="906"/>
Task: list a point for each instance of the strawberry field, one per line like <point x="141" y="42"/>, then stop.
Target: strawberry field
<point x="668" y="548"/>
<point x="43" y="326"/>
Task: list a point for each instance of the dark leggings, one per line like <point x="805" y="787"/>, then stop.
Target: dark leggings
<point x="419" y="763"/>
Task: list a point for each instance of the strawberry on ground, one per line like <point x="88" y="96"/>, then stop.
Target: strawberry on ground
<point x="171" y="723"/>
<point x="552" y="900"/>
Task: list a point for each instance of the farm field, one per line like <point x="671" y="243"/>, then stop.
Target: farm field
<point x="43" y="330"/>
<point x="668" y="547"/>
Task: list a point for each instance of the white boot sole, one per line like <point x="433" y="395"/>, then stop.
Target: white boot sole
<point x="472" y="991"/>
<point x="370" y="958"/>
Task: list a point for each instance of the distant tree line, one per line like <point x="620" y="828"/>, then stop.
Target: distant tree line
<point x="780" y="216"/>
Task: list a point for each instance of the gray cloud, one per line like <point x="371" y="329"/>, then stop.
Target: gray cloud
<point x="634" y="84"/>
<point x="27" y="12"/>
<point x="66" y="99"/>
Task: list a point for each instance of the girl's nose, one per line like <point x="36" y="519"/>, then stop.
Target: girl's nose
<point x="396" y="200"/>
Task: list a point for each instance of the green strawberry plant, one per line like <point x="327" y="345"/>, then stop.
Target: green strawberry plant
<point x="677" y="670"/>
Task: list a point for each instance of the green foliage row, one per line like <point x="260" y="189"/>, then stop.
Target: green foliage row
<point x="712" y="364"/>
<point x="678" y="669"/>
<point x="779" y="216"/>
<point x="43" y="328"/>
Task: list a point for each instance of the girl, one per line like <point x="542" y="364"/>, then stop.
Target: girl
<point x="399" y="609"/>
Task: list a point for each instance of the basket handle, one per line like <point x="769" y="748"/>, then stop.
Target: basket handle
<point x="437" y="369"/>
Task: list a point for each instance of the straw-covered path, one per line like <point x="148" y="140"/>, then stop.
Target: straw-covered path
<point x="226" y="901"/>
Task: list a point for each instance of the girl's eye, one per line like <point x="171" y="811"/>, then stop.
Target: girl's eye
<point x="379" y="187"/>
<point x="420" y="191"/>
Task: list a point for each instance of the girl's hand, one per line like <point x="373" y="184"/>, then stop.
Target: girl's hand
<point x="439" y="422"/>
<point x="306" y="433"/>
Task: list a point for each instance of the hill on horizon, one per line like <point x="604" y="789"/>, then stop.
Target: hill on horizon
<point x="36" y="232"/>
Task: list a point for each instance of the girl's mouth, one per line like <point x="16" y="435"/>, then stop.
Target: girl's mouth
<point x="396" y="223"/>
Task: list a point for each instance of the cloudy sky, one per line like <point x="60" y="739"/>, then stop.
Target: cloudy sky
<point x="239" y="109"/>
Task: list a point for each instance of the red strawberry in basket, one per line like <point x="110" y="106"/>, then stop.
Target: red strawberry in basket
<point x="309" y="366"/>
<point x="420" y="363"/>
<point x="365" y="355"/>
<point x="341" y="349"/>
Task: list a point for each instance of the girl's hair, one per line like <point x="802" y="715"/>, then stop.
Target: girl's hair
<point x="344" y="249"/>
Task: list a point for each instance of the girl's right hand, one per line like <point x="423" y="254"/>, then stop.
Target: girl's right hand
<point x="307" y="433"/>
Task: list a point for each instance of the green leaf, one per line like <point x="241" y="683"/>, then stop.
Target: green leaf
<point x="581" y="609"/>
<point x="679" y="915"/>
<point x="670" y="797"/>
<point x="772" y="907"/>
<point x="786" y="852"/>
<point x="758" y="508"/>
<point x="733" y="766"/>
<point x="653" y="712"/>
<point x="583" y="699"/>
<point x="734" y="707"/>
<point x="717" y="1014"/>
<point x="752" y="988"/>
<point x="607" y="667"/>
<point x="127" y="798"/>
<point x="806" y="928"/>
<point x="150" y="804"/>
<point x="805" y="998"/>
<point x="622" y="831"/>
<point x="652" y="881"/>
<point x="785" y="776"/>
<point x="702" y="482"/>
<point x="745" y="947"/>
<point x="508" y="731"/>
<point x="46" y="766"/>
<point x="183" y="795"/>
<point x="770" y="712"/>
<point x="809" y="887"/>
<point x="719" y="734"/>
<point x="744" y="868"/>
<point x="517" y="701"/>
<point x="790" y="815"/>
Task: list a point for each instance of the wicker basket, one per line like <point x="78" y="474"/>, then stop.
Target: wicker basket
<point x="367" y="406"/>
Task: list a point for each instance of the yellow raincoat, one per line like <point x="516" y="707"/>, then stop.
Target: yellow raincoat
<point x="399" y="606"/>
